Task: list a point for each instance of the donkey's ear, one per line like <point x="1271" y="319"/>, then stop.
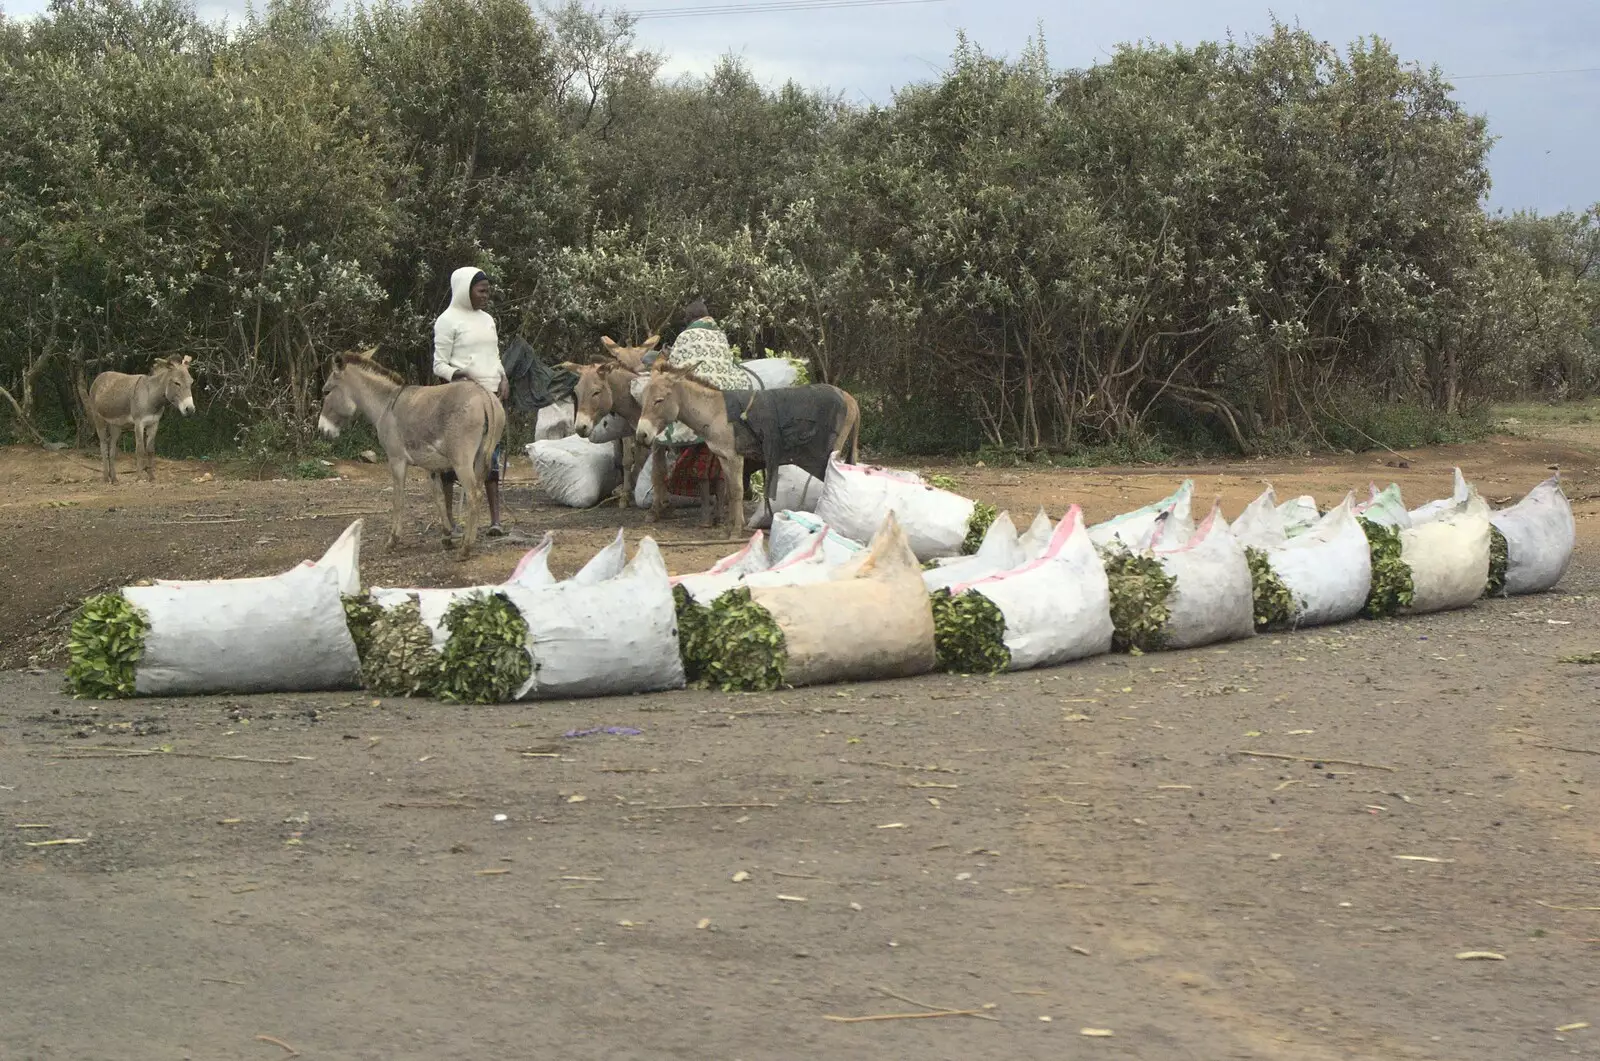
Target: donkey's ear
<point x="187" y="359"/>
<point x="571" y="366"/>
<point x="338" y="361"/>
<point x="607" y="342"/>
<point x="650" y="343"/>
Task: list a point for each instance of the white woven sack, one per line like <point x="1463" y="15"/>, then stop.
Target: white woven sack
<point x="575" y="472"/>
<point x="1214" y="599"/>
<point x="604" y="637"/>
<point x="284" y="633"/>
<point x="1540" y="536"/>
<point x="857" y="498"/>
<point x="1057" y="608"/>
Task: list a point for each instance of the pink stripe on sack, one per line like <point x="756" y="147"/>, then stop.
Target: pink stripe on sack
<point x="1058" y="541"/>
<point x="527" y="558"/>
<point x="800" y="556"/>
<point x="1195" y="539"/>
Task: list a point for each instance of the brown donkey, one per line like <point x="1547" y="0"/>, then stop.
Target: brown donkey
<point x="605" y="389"/>
<point x="118" y="400"/>
<point x="451" y="427"/>
<point x="786" y="425"/>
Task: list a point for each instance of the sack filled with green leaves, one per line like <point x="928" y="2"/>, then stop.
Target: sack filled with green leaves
<point x="969" y="633"/>
<point x="400" y="659"/>
<point x="278" y="633"/>
<point x="983" y="514"/>
<point x="869" y="619"/>
<point x="737" y="646"/>
<point x="360" y="612"/>
<point x="1539" y="538"/>
<point x="1499" y="558"/>
<point x="1322" y="574"/>
<point x="104" y="648"/>
<point x="485" y="660"/>
<point x="1274" y="604"/>
<point x="1048" y="610"/>
<point x="1391" y="588"/>
<point x="695" y="642"/>
<point x="1212" y="599"/>
<point x="606" y="631"/>
<point x="1140" y="592"/>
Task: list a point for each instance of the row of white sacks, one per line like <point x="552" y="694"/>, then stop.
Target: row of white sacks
<point x="853" y="611"/>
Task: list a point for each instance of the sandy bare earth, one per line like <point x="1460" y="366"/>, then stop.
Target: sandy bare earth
<point x="1080" y="848"/>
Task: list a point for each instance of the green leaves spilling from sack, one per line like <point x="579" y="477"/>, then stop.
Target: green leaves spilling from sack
<point x="486" y="659"/>
<point x="695" y="645"/>
<point x="359" y="615"/>
<point x="1140" y="590"/>
<point x="969" y="633"/>
<point x="734" y="645"/>
<point x="1274" y="604"/>
<point x="104" y="647"/>
<point x="978" y="526"/>
<point x="1499" y="556"/>
<point x="1391" y="578"/>
<point x="400" y="659"/>
<point x="758" y="483"/>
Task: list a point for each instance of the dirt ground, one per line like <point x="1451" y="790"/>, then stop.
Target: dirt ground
<point x="1086" y="848"/>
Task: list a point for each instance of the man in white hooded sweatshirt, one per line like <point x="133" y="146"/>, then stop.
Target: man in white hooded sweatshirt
<point x="466" y="346"/>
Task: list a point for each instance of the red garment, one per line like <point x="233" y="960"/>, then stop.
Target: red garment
<point x="694" y="465"/>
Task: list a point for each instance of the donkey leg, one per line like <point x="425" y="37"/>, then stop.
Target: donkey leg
<point x="150" y="449"/>
<point x="441" y="503"/>
<point x="733" y="475"/>
<point x="397" y="469"/>
<point x="138" y="448"/>
<point x="473" y="487"/>
<point x="658" y="482"/>
<point x="108" y="450"/>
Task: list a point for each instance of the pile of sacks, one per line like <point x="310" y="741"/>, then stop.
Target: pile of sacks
<point x="815" y="601"/>
<point x="580" y="472"/>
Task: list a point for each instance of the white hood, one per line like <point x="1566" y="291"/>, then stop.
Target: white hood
<point x="461" y="287"/>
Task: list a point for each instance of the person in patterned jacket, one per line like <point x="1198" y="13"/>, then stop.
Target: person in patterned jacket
<point x="702" y="348"/>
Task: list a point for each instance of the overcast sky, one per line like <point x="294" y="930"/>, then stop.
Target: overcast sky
<point x="1548" y="122"/>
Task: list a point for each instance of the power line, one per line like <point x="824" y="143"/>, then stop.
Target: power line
<point x="701" y="11"/>
<point x="1524" y="73"/>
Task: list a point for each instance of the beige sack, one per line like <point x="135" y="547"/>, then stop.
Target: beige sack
<point x="871" y="620"/>
<point x="1448" y="557"/>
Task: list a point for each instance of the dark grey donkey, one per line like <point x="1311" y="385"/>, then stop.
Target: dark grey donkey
<point x="118" y="400"/>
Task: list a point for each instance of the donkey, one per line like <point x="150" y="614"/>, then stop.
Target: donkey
<point x="117" y="400"/>
<point x="450" y="427"/>
<point x="604" y="389"/>
<point x="787" y="425"/>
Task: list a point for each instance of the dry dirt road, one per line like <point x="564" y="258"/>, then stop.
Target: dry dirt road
<point x="1083" y="848"/>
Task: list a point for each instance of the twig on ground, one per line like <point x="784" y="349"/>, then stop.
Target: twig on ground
<point x="901" y="766"/>
<point x="219" y="980"/>
<point x="929" y="1006"/>
<point x="1314" y="759"/>
<point x="1553" y="906"/>
<point x="1564" y="748"/>
<point x="711" y="806"/>
<point x="110" y="753"/>
<point x="904" y="1016"/>
<point x="278" y="1042"/>
<point x="431" y="806"/>
<point x="195" y="522"/>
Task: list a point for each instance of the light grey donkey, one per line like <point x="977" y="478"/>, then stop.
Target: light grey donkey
<point x="118" y="400"/>
<point x="453" y="427"/>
